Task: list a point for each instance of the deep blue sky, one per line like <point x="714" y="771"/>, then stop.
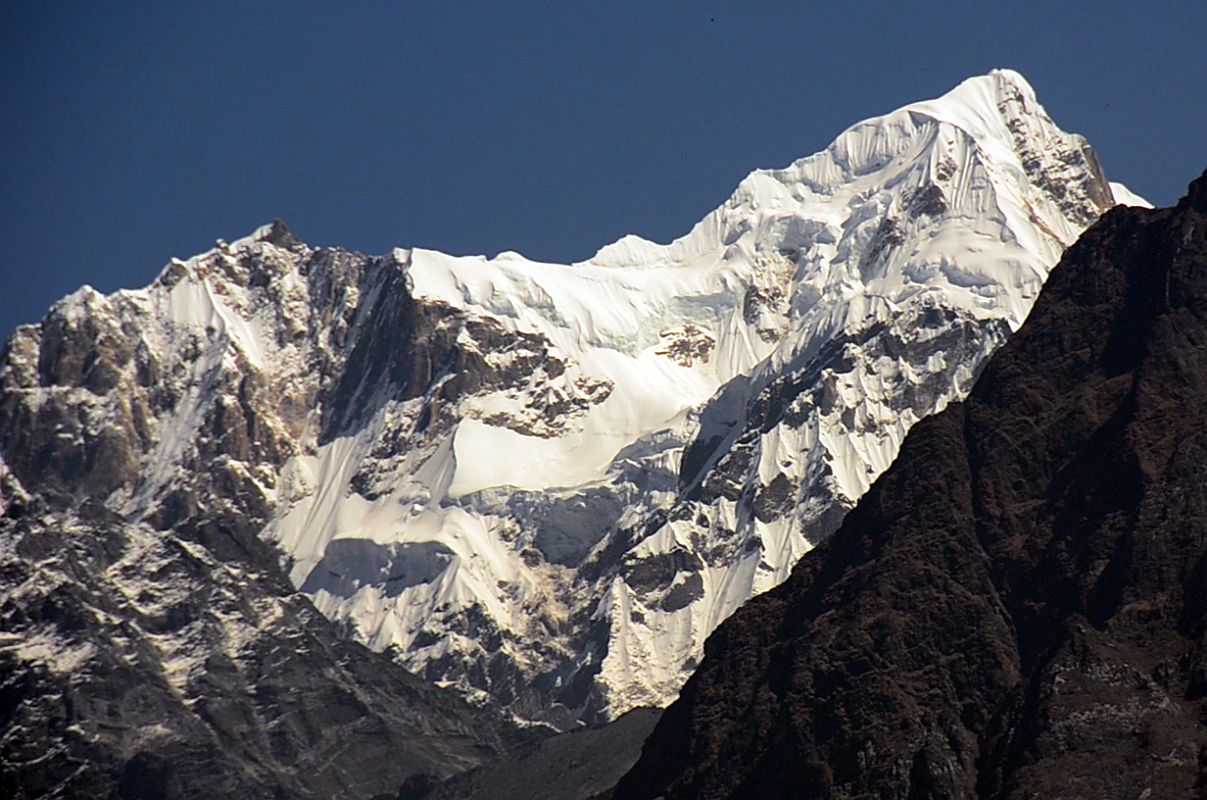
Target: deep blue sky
<point x="135" y="132"/>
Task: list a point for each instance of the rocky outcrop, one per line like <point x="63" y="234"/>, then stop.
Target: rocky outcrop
<point x="1016" y="608"/>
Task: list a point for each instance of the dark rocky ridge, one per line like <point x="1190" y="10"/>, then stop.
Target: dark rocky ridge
<point x="1017" y="609"/>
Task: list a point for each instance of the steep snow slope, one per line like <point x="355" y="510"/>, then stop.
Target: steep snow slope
<point x="548" y="483"/>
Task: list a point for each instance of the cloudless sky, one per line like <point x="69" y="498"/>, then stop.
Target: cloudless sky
<point x="134" y="132"/>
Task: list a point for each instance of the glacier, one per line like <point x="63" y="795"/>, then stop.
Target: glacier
<point x="546" y="484"/>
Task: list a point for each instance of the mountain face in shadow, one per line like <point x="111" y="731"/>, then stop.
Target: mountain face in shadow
<point x="1016" y="608"/>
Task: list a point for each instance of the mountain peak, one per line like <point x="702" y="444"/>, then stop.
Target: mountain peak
<point x="276" y="233"/>
<point x="1196" y="194"/>
<point x="521" y="476"/>
<point x="982" y="106"/>
<point x="1011" y="76"/>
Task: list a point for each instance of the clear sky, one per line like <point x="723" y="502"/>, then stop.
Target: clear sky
<point x="132" y="133"/>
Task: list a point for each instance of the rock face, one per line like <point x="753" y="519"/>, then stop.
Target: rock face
<point x="150" y="644"/>
<point x="524" y="479"/>
<point x="1018" y="607"/>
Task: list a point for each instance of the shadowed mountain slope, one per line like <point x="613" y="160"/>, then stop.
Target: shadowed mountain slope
<point x="575" y="765"/>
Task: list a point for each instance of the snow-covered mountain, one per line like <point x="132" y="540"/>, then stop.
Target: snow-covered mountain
<point x="547" y="484"/>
